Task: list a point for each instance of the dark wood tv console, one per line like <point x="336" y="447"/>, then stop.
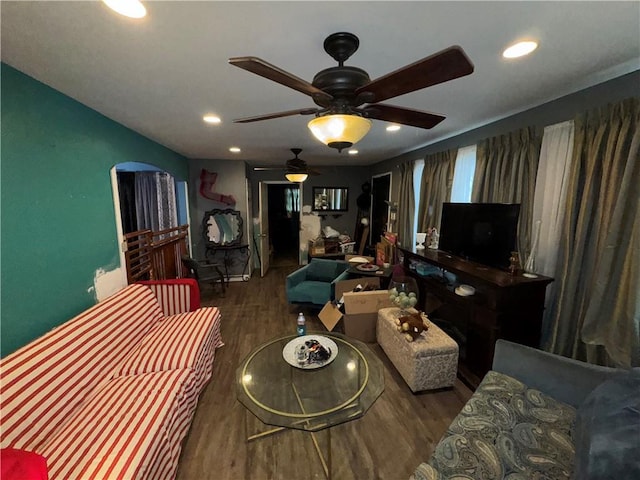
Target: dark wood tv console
<point x="503" y="306"/>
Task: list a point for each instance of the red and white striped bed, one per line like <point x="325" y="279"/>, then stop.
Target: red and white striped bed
<point x="112" y="392"/>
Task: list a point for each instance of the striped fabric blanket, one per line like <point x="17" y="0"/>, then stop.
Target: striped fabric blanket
<point x="112" y="392"/>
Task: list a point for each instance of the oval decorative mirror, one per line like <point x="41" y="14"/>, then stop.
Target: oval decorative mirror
<point x="330" y="199"/>
<point x="222" y="227"/>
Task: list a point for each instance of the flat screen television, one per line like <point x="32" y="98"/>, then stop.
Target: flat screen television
<point x="482" y="232"/>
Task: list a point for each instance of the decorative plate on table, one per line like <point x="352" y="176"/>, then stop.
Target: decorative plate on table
<point x="368" y="267"/>
<point x="315" y="351"/>
<point x="355" y="260"/>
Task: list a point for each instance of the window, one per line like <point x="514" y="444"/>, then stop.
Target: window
<point x="462" y="180"/>
<point x="463" y="175"/>
<point x="292" y="201"/>
<point x="418" y="167"/>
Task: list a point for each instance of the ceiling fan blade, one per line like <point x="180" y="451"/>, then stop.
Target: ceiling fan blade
<point x="440" y="67"/>
<point x="268" y="116"/>
<point x="310" y="171"/>
<point x="405" y="116"/>
<point x="271" y="72"/>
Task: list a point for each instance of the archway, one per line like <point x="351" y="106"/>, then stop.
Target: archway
<point x="180" y="201"/>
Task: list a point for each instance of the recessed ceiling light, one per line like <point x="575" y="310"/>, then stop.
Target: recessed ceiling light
<point x="212" y="119"/>
<point x="520" y="49"/>
<point x="234" y="150"/>
<point x="393" y="128"/>
<point x="128" y="8"/>
<point x="353" y="152"/>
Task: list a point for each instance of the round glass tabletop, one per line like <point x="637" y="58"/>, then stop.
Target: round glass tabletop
<point x="309" y="399"/>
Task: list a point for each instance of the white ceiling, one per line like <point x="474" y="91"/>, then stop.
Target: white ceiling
<point x="161" y="74"/>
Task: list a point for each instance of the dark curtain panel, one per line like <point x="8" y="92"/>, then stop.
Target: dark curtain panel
<point x="155" y="201"/>
<point x="506" y="168"/>
<point x="147" y="201"/>
<point x="127" y="194"/>
<point x="406" y="205"/>
<point x="435" y="188"/>
<point x="596" y="313"/>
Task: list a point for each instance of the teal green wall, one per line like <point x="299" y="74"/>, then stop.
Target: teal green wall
<point x="58" y="221"/>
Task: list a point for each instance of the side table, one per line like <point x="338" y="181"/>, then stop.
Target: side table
<point x="384" y="274"/>
<point x="227" y="259"/>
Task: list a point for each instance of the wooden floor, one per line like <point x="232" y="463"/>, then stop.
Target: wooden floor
<point x="388" y="442"/>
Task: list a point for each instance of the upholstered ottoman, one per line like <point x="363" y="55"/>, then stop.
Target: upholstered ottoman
<point x="429" y="362"/>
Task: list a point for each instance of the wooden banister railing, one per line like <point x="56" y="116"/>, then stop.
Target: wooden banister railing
<point x="155" y="255"/>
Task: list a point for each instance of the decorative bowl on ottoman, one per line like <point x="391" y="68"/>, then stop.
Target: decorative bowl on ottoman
<point x="403" y="292"/>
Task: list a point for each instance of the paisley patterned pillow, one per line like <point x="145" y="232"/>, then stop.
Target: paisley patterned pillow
<point x="505" y="430"/>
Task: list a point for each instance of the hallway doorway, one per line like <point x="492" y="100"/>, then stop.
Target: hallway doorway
<point x="284" y="224"/>
<point x="381" y="195"/>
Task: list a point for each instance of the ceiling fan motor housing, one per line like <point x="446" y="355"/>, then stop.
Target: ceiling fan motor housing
<point x="296" y="165"/>
<point x="341" y="83"/>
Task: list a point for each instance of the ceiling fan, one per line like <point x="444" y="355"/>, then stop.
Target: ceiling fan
<point x="296" y="169"/>
<point x="345" y="93"/>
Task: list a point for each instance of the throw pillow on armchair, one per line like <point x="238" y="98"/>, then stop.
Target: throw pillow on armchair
<point x="607" y="431"/>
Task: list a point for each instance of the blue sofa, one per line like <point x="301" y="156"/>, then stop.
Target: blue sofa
<point x="314" y="283"/>
<point x="543" y="416"/>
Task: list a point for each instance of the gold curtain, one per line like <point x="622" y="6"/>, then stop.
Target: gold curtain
<point x="435" y="187"/>
<point x="406" y="205"/>
<point x="596" y="314"/>
<point x="506" y="168"/>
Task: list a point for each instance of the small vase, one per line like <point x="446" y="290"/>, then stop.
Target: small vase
<point x="403" y="293"/>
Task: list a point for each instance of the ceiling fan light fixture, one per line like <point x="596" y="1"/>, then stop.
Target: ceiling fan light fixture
<point x="339" y="131"/>
<point x="296" y="177"/>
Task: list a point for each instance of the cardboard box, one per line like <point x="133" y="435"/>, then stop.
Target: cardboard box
<point x="361" y="313"/>
<point x="356" y="326"/>
<point x="348" y="285"/>
<point x="366" y="302"/>
<point x="316" y="247"/>
<point x="389" y="247"/>
<point x="330" y="315"/>
<point x="361" y="326"/>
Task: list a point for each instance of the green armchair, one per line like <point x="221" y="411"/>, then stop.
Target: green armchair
<point x="315" y="282"/>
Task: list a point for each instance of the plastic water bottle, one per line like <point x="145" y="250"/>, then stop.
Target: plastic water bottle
<point x="302" y="328"/>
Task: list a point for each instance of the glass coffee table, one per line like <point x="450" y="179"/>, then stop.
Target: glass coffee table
<point x="310" y="399"/>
